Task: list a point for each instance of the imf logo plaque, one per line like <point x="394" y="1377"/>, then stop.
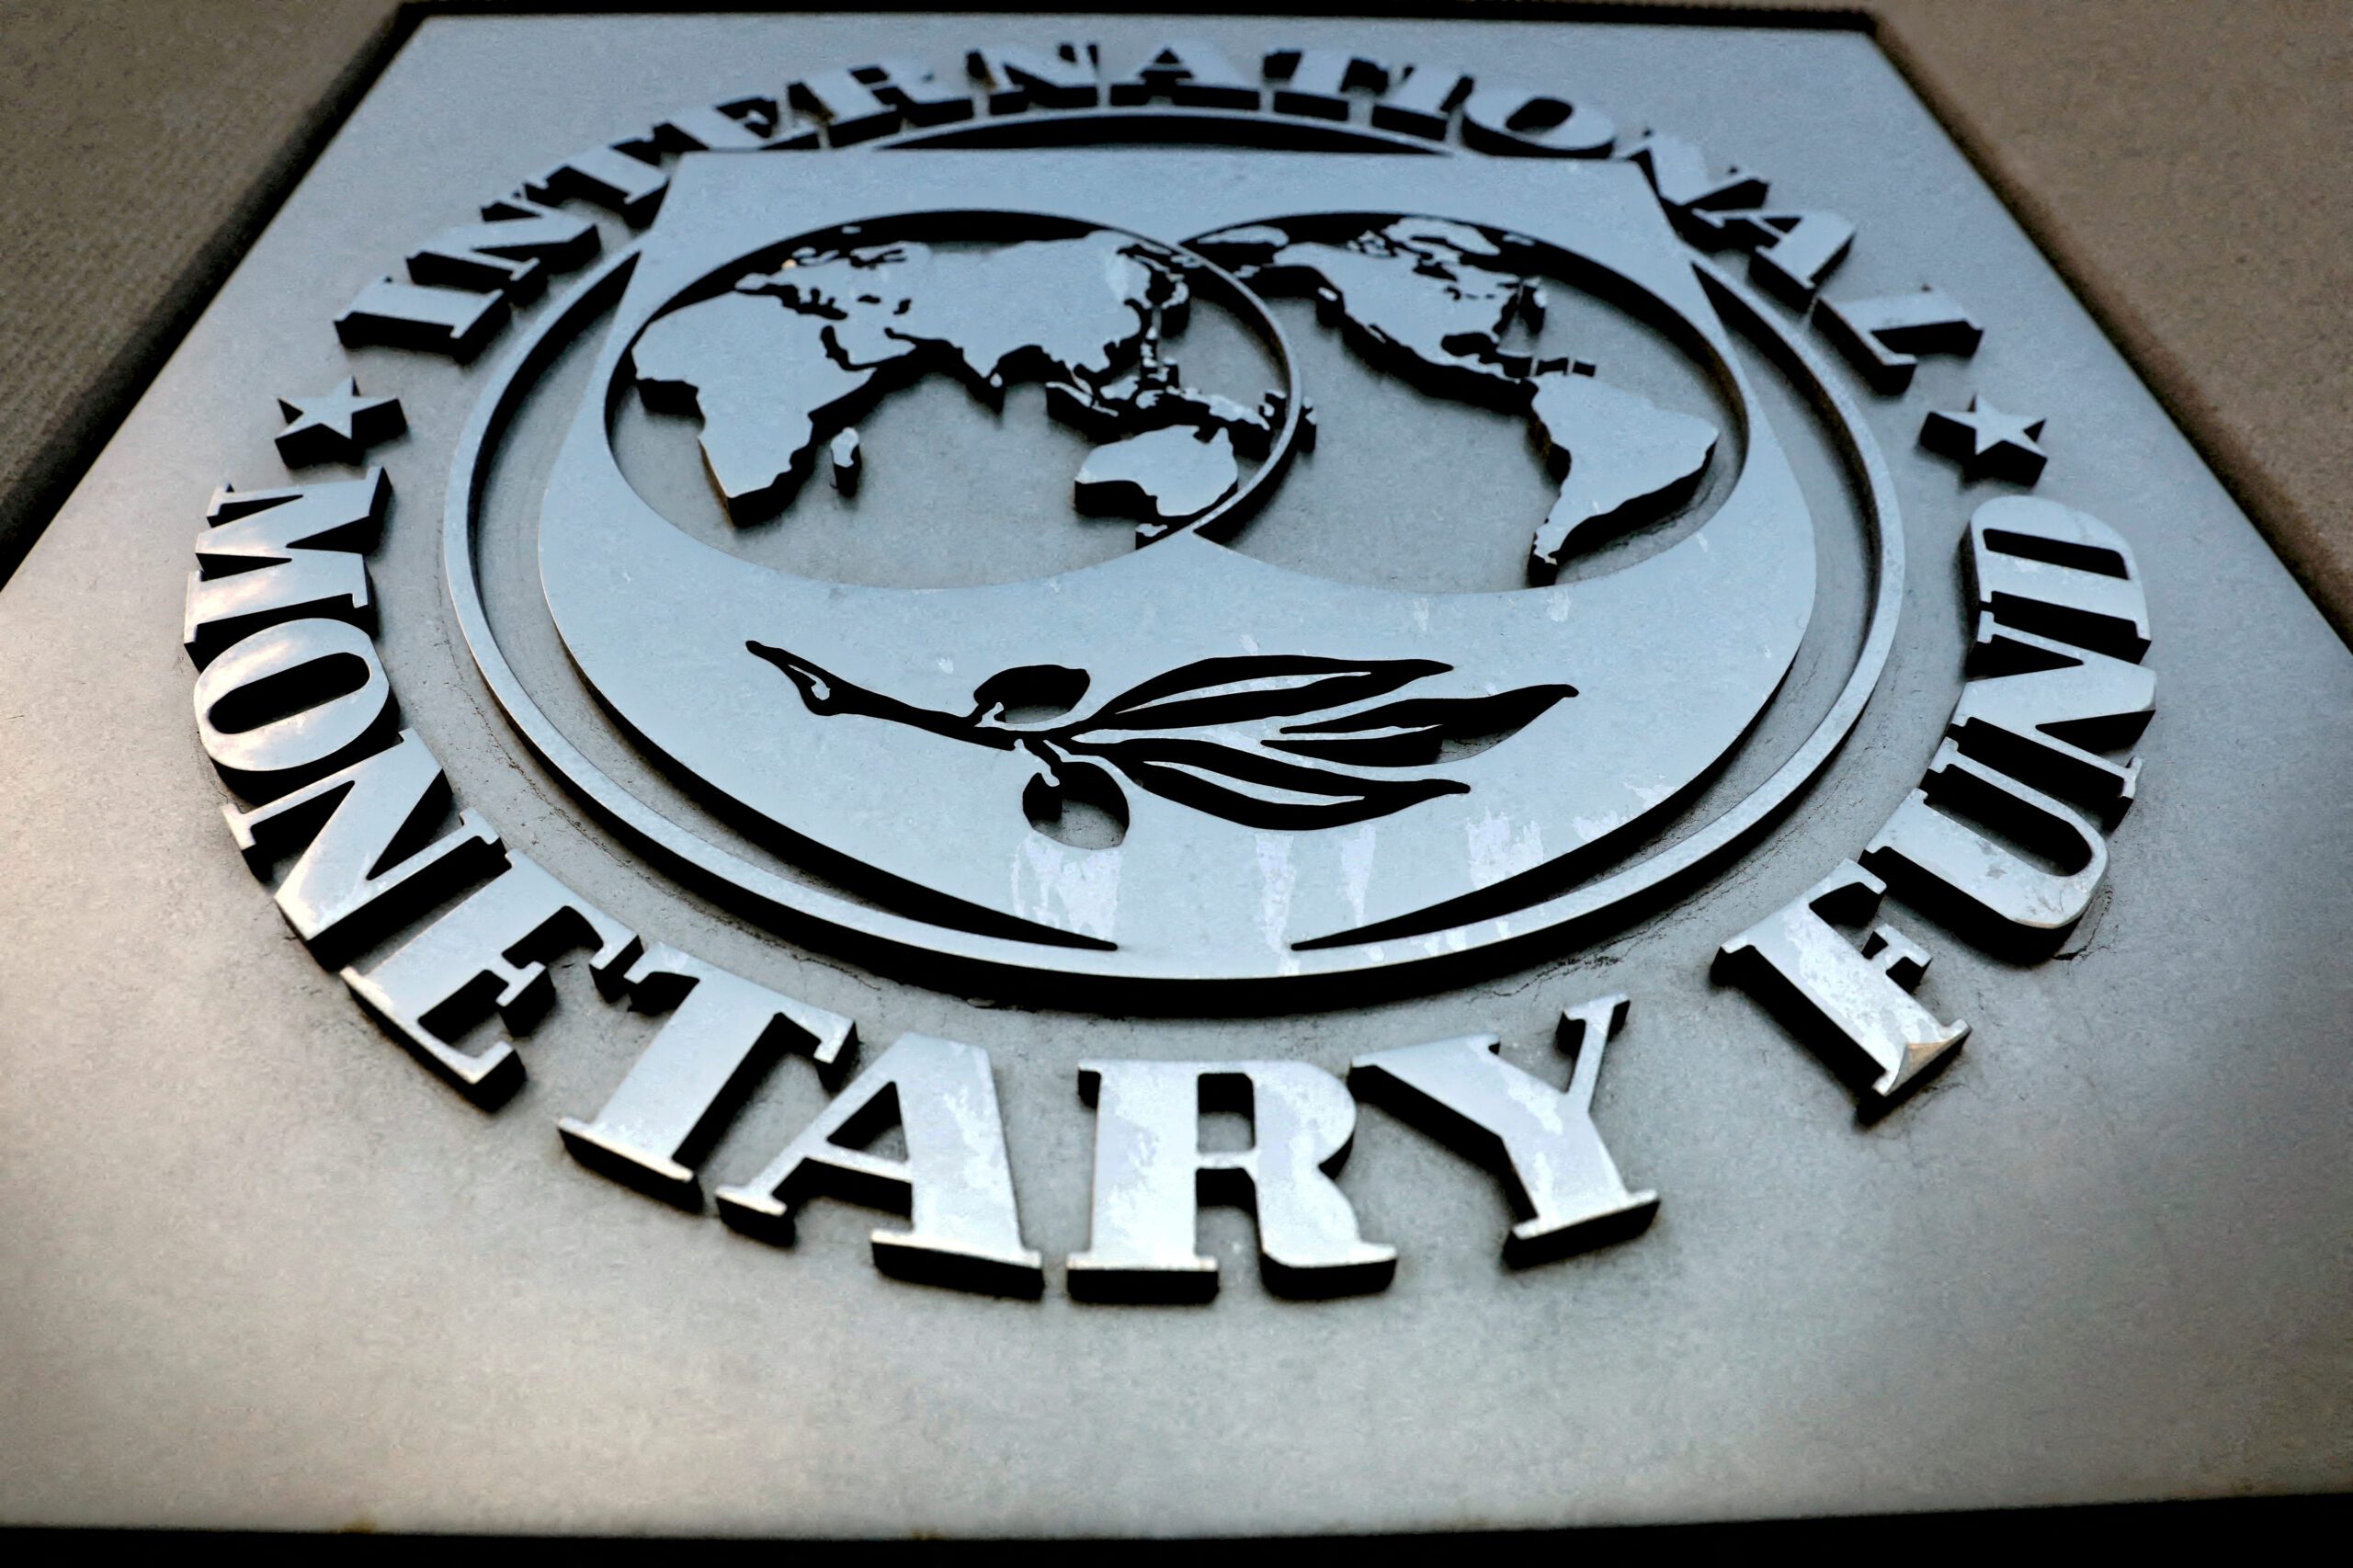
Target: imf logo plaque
<point x="1157" y="546"/>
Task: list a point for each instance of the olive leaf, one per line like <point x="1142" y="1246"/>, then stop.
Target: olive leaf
<point x="1279" y="740"/>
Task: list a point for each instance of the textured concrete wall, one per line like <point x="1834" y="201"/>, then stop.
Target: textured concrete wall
<point x="2184" y="161"/>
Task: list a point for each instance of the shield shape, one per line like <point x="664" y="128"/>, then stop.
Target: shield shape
<point x="1293" y="762"/>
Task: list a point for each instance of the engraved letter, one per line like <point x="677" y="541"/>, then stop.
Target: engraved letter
<point x="1790" y="253"/>
<point x="246" y="529"/>
<point x="866" y="101"/>
<point x="1420" y="100"/>
<point x="271" y="555"/>
<point x="1859" y="1005"/>
<point x="1884" y="338"/>
<point x="1151" y="1175"/>
<point x="611" y="176"/>
<point x="2026" y="719"/>
<point x="291" y="702"/>
<point x="847" y="107"/>
<point x="955" y="1185"/>
<point x="327" y="583"/>
<point x="360" y="871"/>
<point x="2008" y="902"/>
<point x="491" y="950"/>
<point x="2051" y="569"/>
<point x="917" y="90"/>
<point x="1500" y="118"/>
<point x="454" y="322"/>
<point x="1188" y="72"/>
<point x="510" y="252"/>
<point x="1542" y="1142"/>
<point x="1317" y="82"/>
<point x="723" y="1033"/>
<point x="1679" y="173"/>
<point x="1015" y="78"/>
<point x="755" y="124"/>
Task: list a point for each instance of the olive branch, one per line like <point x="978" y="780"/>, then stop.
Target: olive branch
<point x="1281" y="741"/>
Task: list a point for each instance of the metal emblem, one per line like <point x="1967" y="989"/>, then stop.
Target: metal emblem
<point x="1055" y="640"/>
<point x="1152" y="714"/>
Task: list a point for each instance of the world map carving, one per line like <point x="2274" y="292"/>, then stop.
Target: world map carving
<point x="787" y="360"/>
<point x="783" y="362"/>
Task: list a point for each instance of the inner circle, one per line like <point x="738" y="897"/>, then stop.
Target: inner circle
<point x="781" y="896"/>
<point x="948" y="399"/>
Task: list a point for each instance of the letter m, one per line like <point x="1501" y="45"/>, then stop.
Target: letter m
<point x="271" y="555"/>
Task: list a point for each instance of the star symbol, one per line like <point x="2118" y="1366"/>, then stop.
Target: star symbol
<point x="1987" y="442"/>
<point x="337" y="426"/>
